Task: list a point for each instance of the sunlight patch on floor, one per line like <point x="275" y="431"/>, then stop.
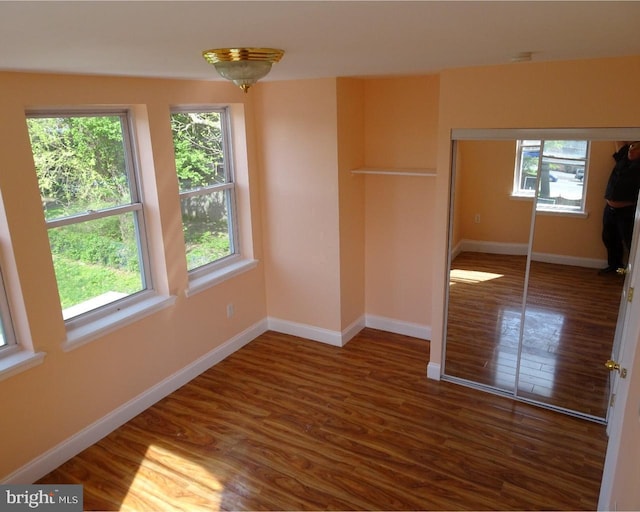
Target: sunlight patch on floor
<point x="471" y="276"/>
<point x="163" y="471"/>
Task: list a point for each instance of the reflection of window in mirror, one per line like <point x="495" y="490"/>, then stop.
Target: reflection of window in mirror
<point x="559" y="167"/>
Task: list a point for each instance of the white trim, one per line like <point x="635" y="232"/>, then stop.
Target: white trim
<point x="350" y="331"/>
<point x="340" y="339"/>
<point x="414" y="330"/>
<point x="493" y="247"/>
<point x="90" y="435"/>
<point x="217" y="276"/>
<point x="309" y="332"/>
<point x="397" y="172"/>
<point x="574" y="261"/>
<point x="433" y="371"/>
<point x="521" y="250"/>
<point x="87" y="332"/>
<point x="18" y="362"/>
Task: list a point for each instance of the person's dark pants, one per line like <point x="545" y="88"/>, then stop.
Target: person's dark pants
<point x="617" y="231"/>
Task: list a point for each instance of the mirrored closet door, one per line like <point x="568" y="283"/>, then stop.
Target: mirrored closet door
<point x="528" y="315"/>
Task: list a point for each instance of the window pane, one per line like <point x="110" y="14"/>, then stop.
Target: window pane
<point x="562" y="174"/>
<point x="559" y="175"/>
<point x="3" y="340"/>
<point x="85" y="169"/>
<point x="566" y="148"/>
<point x="205" y="222"/>
<point x="81" y="163"/>
<point x="96" y="262"/>
<point x="199" y="151"/>
<point x="7" y="335"/>
<point x="529" y="164"/>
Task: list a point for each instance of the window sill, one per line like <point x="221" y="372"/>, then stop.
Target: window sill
<point x="219" y="275"/>
<point x="580" y="215"/>
<point x="19" y="362"/>
<point x="83" y="334"/>
<point x="560" y="213"/>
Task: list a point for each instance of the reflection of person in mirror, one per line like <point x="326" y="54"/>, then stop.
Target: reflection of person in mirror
<point x="621" y="195"/>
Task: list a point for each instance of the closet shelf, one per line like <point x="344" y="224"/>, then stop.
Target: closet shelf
<point x="396" y="172"/>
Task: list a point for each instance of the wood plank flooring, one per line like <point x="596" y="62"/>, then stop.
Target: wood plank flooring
<point x="568" y="333"/>
<point x="290" y="424"/>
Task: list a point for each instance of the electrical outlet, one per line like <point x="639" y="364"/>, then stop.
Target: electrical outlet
<point x="230" y="310"/>
<point x="476" y="219"/>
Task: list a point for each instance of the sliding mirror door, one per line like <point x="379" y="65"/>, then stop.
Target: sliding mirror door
<point x="570" y="309"/>
<point x="528" y="314"/>
<point x="489" y="239"/>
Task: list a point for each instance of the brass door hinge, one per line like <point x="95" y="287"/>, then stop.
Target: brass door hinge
<point x="630" y="294"/>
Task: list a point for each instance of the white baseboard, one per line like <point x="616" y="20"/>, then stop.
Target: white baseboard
<point x="521" y="250"/>
<point x="398" y="327"/>
<point x="353" y="329"/>
<point x="72" y="446"/>
<point x="493" y="247"/>
<point x="433" y="371"/>
<point x="574" y="261"/>
<point x="309" y="332"/>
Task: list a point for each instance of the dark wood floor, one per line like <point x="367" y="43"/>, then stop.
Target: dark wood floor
<point x="290" y="424"/>
<point x="568" y="333"/>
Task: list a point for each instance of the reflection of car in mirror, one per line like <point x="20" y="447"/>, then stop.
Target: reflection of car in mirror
<point x="580" y="173"/>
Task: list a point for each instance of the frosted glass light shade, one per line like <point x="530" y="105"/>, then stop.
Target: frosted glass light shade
<point x="243" y="73"/>
<point x="243" y="66"/>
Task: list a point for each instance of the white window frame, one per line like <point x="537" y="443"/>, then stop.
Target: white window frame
<point x="15" y="357"/>
<point x="519" y="191"/>
<point x="222" y="268"/>
<point x="10" y="341"/>
<point x="90" y="324"/>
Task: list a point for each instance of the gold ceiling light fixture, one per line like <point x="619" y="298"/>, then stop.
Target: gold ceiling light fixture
<point x="243" y="66"/>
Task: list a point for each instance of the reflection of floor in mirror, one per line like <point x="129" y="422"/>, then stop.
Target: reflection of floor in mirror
<point x="570" y="322"/>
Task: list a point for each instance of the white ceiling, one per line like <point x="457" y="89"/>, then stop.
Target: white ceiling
<point x="320" y="39"/>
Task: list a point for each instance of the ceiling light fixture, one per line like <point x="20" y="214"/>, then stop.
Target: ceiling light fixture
<point x="243" y="66"/>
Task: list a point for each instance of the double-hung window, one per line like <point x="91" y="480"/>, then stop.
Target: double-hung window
<point x="556" y="170"/>
<point x="202" y="142"/>
<point x="93" y="209"/>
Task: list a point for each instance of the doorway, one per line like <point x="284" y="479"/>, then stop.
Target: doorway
<point x="528" y="315"/>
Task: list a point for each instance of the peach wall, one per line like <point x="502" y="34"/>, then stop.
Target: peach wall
<point x="525" y="95"/>
<point x="350" y="104"/>
<point x="401" y="118"/>
<point x="398" y="248"/>
<point x="298" y="131"/>
<point x="400" y="122"/>
<point x="579" y="236"/>
<point x="47" y="404"/>
<point x="485" y="173"/>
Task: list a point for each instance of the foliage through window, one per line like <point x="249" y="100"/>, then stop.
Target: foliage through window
<point x="7" y="337"/>
<point x="557" y="169"/>
<point x="92" y="206"/>
<point x="207" y="194"/>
